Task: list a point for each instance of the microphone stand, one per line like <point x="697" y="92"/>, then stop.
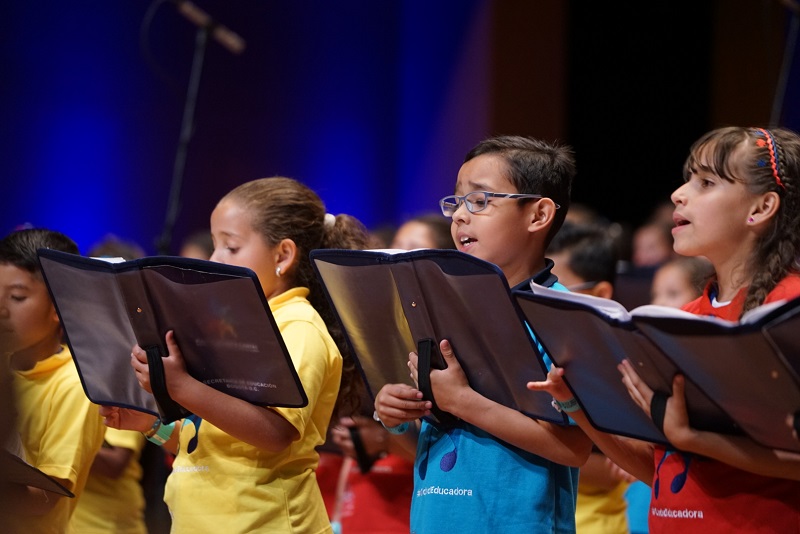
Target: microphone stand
<point x="187" y="126"/>
<point x="206" y="26"/>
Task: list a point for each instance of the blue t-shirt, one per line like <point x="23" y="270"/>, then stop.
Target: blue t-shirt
<point x="466" y="480"/>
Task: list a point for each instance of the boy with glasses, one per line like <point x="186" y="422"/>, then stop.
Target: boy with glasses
<point x="497" y="470"/>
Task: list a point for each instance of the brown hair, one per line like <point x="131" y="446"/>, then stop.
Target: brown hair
<point x="764" y="161"/>
<point x="534" y="167"/>
<point x="283" y="208"/>
<point x="19" y="248"/>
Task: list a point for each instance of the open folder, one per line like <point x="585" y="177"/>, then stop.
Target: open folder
<point x="741" y="377"/>
<point x="222" y="324"/>
<point x="391" y="303"/>
<point x="17" y="471"/>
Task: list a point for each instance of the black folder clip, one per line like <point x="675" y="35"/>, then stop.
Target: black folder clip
<point x="171" y="410"/>
<point x="363" y="459"/>
<point x="428" y="357"/>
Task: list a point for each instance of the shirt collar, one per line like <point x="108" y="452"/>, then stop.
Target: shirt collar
<point x="543" y="278"/>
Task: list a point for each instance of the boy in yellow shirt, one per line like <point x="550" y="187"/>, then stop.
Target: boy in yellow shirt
<point x="60" y="430"/>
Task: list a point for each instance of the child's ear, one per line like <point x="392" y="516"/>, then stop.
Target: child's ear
<point x="54" y="315"/>
<point x="765" y="208"/>
<point x="542" y="212"/>
<point x="602" y="289"/>
<point x="285" y="255"/>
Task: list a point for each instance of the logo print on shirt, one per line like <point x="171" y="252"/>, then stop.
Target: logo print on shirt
<point x="680" y="479"/>
<point x="196" y="421"/>
<point x="448" y="460"/>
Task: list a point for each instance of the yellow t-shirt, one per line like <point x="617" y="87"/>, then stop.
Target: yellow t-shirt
<point x="114" y="504"/>
<point x="220" y="482"/>
<point x="60" y="430"/>
<point x="601" y="512"/>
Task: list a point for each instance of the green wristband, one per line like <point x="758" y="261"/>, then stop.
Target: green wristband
<point x="399" y="429"/>
<point x="566" y="406"/>
<point x="161" y="434"/>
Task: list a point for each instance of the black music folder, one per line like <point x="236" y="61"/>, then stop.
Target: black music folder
<point x="222" y="323"/>
<point x="739" y="375"/>
<point x="393" y="302"/>
<point x="17" y="471"/>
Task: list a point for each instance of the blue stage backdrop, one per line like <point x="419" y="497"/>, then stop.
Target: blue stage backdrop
<point x="372" y="104"/>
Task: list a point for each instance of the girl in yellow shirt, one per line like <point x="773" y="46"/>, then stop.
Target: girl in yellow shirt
<point x="239" y="466"/>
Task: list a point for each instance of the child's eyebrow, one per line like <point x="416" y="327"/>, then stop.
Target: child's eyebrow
<point x="227" y="235"/>
<point x="18" y="285"/>
<point x="475" y="186"/>
<point x="478" y="186"/>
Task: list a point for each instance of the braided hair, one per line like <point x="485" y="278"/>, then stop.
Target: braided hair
<point x="764" y="161"/>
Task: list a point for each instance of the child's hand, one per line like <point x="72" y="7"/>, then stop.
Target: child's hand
<point x="676" y="417"/>
<point x="400" y="403"/>
<point x="141" y="367"/>
<point x="413" y="359"/>
<point x="447" y="383"/>
<point x="374" y="437"/>
<point x="174" y="366"/>
<point x="126" y="419"/>
<point x="554" y="385"/>
<point x="640" y="392"/>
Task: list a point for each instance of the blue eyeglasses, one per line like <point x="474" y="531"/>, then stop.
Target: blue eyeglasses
<point x="476" y="201"/>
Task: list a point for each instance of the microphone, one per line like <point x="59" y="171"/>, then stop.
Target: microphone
<point x="224" y="36"/>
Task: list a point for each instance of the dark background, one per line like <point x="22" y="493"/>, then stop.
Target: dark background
<point x="372" y="104"/>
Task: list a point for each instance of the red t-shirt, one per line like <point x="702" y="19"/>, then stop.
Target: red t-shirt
<point x="378" y="502"/>
<point x="697" y="494"/>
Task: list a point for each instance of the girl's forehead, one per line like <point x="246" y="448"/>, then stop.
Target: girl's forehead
<point x="230" y="212"/>
<point x="713" y="157"/>
<point x="705" y="157"/>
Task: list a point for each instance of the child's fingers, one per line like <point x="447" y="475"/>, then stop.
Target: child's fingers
<point x="638" y="390"/>
<point x="446" y="349"/>
<point x="553" y="383"/>
<point x="448" y="353"/>
<point x="139" y="363"/>
<point x="413" y="361"/>
<point x="400" y="402"/>
<point x="106" y="411"/>
<point x="138" y="354"/>
<point x="172" y="345"/>
<point x="539" y="386"/>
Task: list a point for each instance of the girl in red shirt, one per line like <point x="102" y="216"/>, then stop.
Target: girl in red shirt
<point x="739" y="207"/>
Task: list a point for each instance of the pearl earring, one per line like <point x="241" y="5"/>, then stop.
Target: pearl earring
<point x="278" y="272"/>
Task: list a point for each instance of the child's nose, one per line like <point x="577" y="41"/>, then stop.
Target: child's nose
<point x="461" y="212"/>
<point x="678" y="196"/>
